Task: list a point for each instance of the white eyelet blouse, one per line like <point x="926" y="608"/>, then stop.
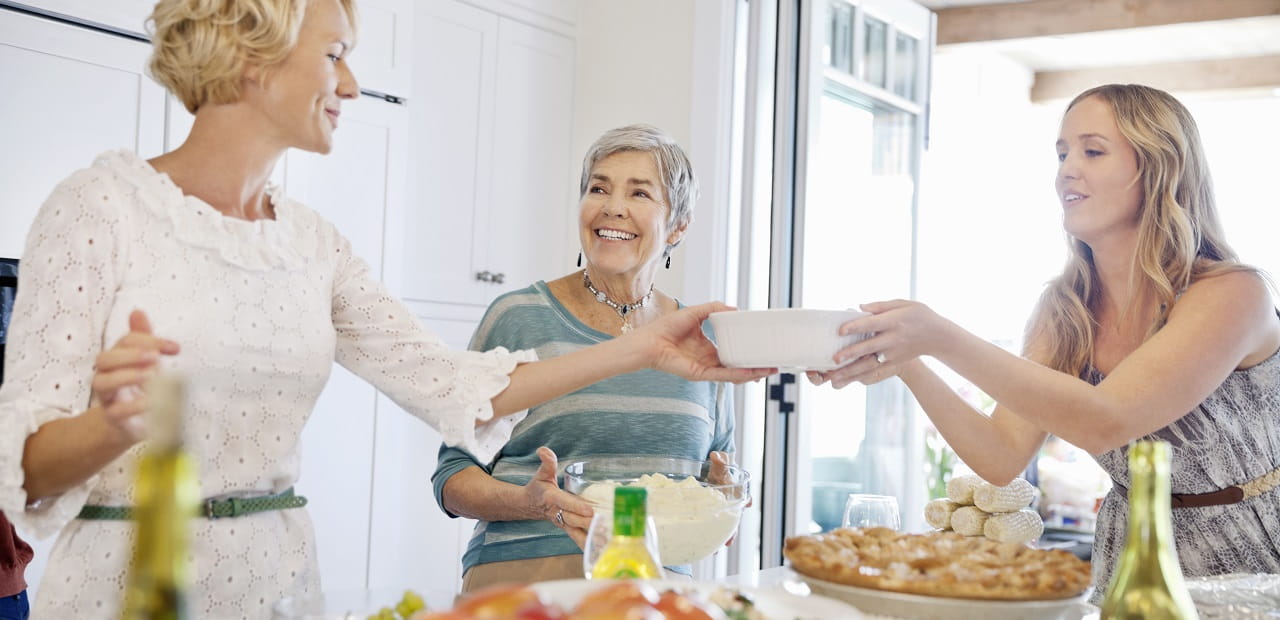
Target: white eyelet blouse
<point x="261" y="310"/>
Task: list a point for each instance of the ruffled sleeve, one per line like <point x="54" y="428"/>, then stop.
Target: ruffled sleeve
<point x="382" y="342"/>
<point x="66" y="288"/>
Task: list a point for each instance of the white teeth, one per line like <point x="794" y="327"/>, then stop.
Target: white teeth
<point x="615" y="234"/>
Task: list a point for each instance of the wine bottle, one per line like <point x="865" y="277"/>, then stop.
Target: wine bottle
<point x="628" y="553"/>
<point x="166" y="497"/>
<point x="1148" y="580"/>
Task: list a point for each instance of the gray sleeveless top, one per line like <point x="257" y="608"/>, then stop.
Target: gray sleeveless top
<point x="1229" y="439"/>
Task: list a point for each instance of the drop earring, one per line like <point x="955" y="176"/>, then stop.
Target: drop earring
<point x="668" y="261"/>
<point x="579" y="259"/>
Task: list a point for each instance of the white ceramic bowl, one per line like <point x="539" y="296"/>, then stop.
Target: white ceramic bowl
<point x="788" y="338"/>
<point x="692" y="522"/>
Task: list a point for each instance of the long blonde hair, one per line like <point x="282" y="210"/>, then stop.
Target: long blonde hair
<point x="1179" y="237"/>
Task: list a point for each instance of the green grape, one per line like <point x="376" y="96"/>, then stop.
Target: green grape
<point x="410" y="603"/>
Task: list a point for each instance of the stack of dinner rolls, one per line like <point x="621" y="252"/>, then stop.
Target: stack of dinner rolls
<point x="975" y="507"/>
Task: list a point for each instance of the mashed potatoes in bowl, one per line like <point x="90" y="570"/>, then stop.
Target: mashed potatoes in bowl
<point x="695" y="505"/>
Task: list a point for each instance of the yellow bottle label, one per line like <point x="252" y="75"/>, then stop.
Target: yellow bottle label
<point x="626" y="557"/>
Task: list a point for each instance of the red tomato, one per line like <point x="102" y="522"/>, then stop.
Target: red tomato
<point x="498" y="602"/>
<point x="676" y="606"/>
<point x="439" y="615"/>
<point x="618" y="595"/>
<point x="642" y="611"/>
<point x="537" y="611"/>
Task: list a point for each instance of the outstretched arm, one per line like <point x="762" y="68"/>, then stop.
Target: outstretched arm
<point x="997" y="447"/>
<point x="1159" y="382"/>
<point x="675" y="344"/>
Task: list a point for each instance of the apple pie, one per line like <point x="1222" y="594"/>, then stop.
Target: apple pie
<point x="937" y="564"/>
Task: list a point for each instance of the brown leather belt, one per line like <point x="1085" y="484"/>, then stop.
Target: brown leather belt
<point x="1222" y="497"/>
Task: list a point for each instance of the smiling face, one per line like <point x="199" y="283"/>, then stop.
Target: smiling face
<point x="623" y="217"/>
<point x="302" y="96"/>
<point x="1097" y="178"/>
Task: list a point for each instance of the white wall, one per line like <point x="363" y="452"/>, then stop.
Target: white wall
<point x="667" y="63"/>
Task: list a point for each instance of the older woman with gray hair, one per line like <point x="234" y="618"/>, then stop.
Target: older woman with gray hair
<point x="637" y="195"/>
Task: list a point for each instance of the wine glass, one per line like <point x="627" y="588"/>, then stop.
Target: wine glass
<point x="601" y="531"/>
<point x="863" y="510"/>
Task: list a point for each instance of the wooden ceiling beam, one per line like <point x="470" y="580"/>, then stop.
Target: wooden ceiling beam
<point x="1037" y="18"/>
<point x="1224" y="74"/>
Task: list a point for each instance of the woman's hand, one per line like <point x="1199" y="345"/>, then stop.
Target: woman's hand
<point x="899" y="332"/>
<point x="718" y="473"/>
<point x="562" y="508"/>
<point x="679" y="347"/>
<point x="122" y="371"/>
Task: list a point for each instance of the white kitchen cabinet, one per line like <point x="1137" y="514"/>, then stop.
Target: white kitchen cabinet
<point x="492" y="195"/>
<point x="381" y="59"/>
<point x="121" y="15"/>
<point x="357" y="187"/>
<point x="412" y="542"/>
<point x="380" y="62"/>
<point x="69" y="94"/>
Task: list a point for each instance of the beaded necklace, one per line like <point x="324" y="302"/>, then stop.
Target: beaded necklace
<point x="623" y="310"/>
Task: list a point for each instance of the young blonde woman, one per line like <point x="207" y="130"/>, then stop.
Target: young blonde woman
<point x="1153" y="331"/>
<point x="191" y="262"/>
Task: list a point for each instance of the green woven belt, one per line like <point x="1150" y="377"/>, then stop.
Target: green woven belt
<point x="210" y="508"/>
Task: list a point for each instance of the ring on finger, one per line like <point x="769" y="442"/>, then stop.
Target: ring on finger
<point x="880" y="358"/>
<point x="560" y="517"/>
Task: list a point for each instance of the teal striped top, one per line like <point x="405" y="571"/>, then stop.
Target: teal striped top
<point x="643" y="413"/>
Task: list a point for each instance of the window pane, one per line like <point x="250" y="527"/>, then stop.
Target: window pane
<point x="904" y="66"/>
<point x="873" y="51"/>
<point x="838" y="51"/>
<point x="857" y="248"/>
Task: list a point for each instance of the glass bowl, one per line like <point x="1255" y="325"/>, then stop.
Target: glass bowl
<point x="695" y="506"/>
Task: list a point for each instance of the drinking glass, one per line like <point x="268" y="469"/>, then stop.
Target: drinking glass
<point x="601" y="531"/>
<point x="862" y="510"/>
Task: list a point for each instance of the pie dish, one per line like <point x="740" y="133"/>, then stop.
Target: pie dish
<point x="881" y="603"/>
<point x="942" y="564"/>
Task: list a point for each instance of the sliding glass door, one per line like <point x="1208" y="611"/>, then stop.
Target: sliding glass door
<point x="848" y="122"/>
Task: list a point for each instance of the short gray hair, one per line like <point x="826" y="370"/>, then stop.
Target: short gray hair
<point x="678" y="182"/>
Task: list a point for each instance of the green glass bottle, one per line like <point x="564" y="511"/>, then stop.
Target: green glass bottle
<point x="628" y="553"/>
<point x="1148" y="580"/>
<point x="166" y="497"/>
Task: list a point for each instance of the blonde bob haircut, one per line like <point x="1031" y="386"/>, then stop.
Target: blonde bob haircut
<point x="1180" y="239"/>
<point x="202" y="47"/>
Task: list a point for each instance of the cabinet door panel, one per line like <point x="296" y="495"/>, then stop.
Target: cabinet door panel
<point x="128" y="15"/>
<point x="412" y="541"/>
<point x="452" y="103"/>
<point x="68" y="95"/>
<point x="355" y="187"/>
<point x="381" y="59"/>
<point x="530" y="230"/>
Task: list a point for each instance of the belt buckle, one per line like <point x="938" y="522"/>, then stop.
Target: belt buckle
<point x="209" y="509"/>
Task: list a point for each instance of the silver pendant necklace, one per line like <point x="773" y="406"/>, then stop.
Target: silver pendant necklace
<point x="623" y="310"/>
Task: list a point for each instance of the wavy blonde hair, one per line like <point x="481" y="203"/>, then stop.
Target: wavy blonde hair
<point x="1180" y="239"/>
<point x="202" y="47"/>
